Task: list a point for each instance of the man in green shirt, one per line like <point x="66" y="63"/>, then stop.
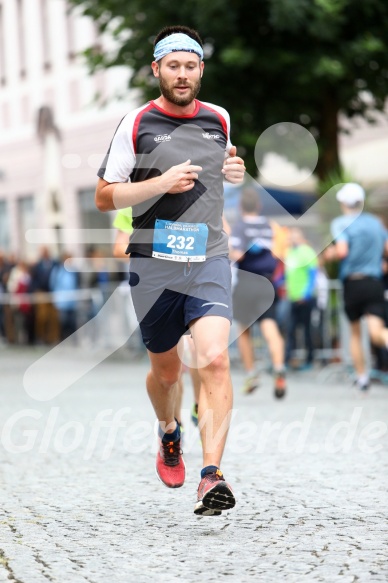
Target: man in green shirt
<point x="123" y="224"/>
<point x="301" y="265"/>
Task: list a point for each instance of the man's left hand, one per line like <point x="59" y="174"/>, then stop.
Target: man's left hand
<point x="234" y="168"/>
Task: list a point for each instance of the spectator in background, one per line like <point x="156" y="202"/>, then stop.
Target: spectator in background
<point x="279" y="249"/>
<point x="250" y="243"/>
<point x="87" y="282"/>
<point x="300" y="275"/>
<point x="4" y="273"/>
<point x="319" y="323"/>
<point x="19" y="283"/>
<point x="64" y="283"/>
<point x="360" y="244"/>
<point x="381" y="352"/>
<point x="46" y="317"/>
<point x="123" y="225"/>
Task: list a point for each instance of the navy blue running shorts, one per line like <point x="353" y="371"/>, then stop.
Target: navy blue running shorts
<point x="168" y="295"/>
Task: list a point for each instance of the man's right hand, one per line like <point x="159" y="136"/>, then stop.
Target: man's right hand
<point x="179" y="178"/>
<point x="119" y="195"/>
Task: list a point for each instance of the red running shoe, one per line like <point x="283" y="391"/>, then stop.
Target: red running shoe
<point x="170" y="466"/>
<point x="214" y="495"/>
<point x="280" y="385"/>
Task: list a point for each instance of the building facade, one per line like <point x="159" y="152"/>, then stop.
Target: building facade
<point x="54" y="127"/>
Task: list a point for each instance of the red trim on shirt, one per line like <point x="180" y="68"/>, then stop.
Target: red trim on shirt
<point x="136" y="124"/>
<point x="220" y="117"/>
<point x="196" y="110"/>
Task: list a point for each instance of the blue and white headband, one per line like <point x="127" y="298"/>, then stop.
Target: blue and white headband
<point x="177" y="42"/>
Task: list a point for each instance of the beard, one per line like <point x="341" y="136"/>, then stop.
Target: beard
<point x="168" y="91"/>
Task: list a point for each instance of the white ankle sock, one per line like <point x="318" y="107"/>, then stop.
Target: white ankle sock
<point x="363" y="379"/>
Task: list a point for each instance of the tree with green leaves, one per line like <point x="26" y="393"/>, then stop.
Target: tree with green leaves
<point x="301" y="61"/>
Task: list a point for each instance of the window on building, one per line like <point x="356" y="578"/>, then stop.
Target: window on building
<point x="45" y="25"/>
<point x="4" y="226"/>
<point x="26" y="221"/>
<point x="21" y="37"/>
<point x="70" y="35"/>
<point x="92" y="218"/>
<point x="3" y="77"/>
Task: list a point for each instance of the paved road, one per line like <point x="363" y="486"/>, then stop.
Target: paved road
<point x="80" y="501"/>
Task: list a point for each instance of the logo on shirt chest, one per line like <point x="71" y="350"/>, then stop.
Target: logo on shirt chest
<point x="162" y="138"/>
<point x="208" y="136"/>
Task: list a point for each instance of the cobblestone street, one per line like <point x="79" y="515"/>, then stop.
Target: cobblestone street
<point x="80" y="500"/>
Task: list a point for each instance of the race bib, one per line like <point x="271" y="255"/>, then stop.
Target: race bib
<point x="177" y="241"/>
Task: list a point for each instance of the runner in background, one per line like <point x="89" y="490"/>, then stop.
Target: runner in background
<point x="361" y="242"/>
<point x="251" y="244"/>
<point x="123" y="224"/>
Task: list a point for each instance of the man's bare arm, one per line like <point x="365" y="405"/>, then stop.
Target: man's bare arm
<point x="336" y="251"/>
<point x="117" y="195"/>
<point x="120" y="245"/>
<point x="342" y="250"/>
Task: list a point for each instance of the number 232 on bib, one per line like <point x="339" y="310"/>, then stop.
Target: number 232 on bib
<point x="177" y="241"/>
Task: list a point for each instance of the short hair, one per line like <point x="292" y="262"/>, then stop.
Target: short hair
<point x="250" y="201"/>
<point x="168" y="30"/>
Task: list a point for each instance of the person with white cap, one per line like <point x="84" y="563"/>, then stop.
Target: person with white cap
<point x="360" y="243"/>
<point x="167" y="161"/>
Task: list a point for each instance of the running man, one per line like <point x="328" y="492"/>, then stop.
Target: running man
<point x="360" y="244"/>
<point x="250" y="244"/>
<point x="168" y="160"/>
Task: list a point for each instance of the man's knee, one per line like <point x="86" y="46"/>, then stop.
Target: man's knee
<point x="215" y="360"/>
<point x="166" y="377"/>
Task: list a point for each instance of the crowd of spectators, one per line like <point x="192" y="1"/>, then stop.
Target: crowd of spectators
<point x="40" y="301"/>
